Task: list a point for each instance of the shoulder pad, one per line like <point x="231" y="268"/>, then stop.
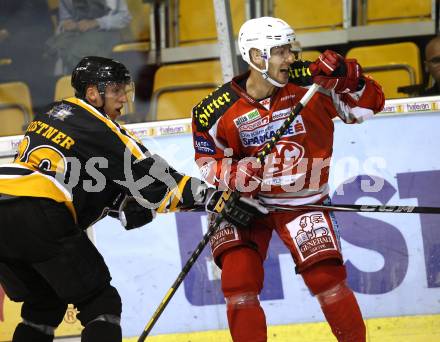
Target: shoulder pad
<point x="213" y="106"/>
<point x="299" y="73"/>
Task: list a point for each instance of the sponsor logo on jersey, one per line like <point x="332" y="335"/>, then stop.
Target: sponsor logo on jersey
<point x="205" y="109"/>
<point x="60" y="112"/>
<point x="286" y="155"/>
<point x="312" y="234"/>
<point x="247" y="117"/>
<point x="254" y="124"/>
<point x="261" y="135"/>
<point x="204" y="146"/>
<point x="226" y="233"/>
<point x="288" y="97"/>
<point x="266" y="103"/>
<point x="281" y="114"/>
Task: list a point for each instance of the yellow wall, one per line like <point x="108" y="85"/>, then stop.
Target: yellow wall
<point x="10" y="317"/>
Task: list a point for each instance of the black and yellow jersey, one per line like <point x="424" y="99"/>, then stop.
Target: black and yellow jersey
<point x="77" y="155"/>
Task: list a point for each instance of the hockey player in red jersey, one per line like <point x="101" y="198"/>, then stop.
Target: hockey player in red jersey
<point x="234" y="123"/>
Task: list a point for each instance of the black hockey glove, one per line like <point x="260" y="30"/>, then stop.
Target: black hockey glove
<point x="236" y="209"/>
<point x="130" y="213"/>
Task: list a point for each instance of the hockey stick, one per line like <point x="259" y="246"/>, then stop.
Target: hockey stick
<point x="222" y="205"/>
<point x="363" y="208"/>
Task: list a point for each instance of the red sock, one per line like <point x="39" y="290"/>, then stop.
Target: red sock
<point x="247" y="324"/>
<point x="345" y="319"/>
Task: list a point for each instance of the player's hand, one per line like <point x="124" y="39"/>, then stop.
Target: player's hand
<point x="236" y="209"/>
<point x="334" y="72"/>
<point x="130" y="213"/>
<point x="327" y="63"/>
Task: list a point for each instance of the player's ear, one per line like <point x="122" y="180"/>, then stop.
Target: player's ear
<point x="92" y="95"/>
<point x="256" y="57"/>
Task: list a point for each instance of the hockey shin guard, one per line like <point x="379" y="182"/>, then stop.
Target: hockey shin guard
<point x="327" y="281"/>
<point x="27" y="333"/>
<point x="342" y="312"/>
<point x="101" y="330"/>
<point x="246" y="318"/>
<point x="242" y="278"/>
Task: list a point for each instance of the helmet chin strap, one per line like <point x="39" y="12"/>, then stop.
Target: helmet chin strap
<point x="271" y="80"/>
<point x="101" y="91"/>
<point x="265" y="73"/>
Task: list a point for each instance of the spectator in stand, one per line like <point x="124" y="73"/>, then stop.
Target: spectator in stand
<point x="432" y="66"/>
<point x="88" y="27"/>
<point x="24" y="27"/>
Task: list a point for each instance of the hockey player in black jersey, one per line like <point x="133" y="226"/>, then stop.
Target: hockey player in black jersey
<point x="75" y="165"/>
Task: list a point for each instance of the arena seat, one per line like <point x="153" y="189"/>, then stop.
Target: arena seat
<point x="309" y="16"/>
<point x="392" y="65"/>
<point x="63" y="89"/>
<point x="310" y="55"/>
<point x="196" y="22"/>
<point x="5" y="61"/>
<point x="15" y="108"/>
<point x="177" y="88"/>
<point x="384" y="12"/>
<point x="138" y="32"/>
<point x="134" y="46"/>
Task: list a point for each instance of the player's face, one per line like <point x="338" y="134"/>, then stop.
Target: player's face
<point x="116" y="96"/>
<point x="280" y="59"/>
<point x="433" y="60"/>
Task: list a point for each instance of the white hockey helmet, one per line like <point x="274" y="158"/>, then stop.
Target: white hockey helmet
<point x="263" y="34"/>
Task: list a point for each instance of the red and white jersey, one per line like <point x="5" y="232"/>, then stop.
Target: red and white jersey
<point x="230" y="124"/>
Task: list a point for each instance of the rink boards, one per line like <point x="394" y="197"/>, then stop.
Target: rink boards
<point x="393" y="260"/>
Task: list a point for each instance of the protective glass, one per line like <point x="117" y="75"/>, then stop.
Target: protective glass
<point x="118" y="90"/>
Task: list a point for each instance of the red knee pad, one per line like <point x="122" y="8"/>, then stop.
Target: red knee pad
<point x="324" y="275"/>
<point x="242" y="271"/>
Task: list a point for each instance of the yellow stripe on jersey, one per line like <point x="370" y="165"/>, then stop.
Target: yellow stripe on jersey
<point x="179" y="193"/>
<point x="163" y="206"/>
<point x="126" y="139"/>
<point x="36" y="185"/>
<point x="173" y="197"/>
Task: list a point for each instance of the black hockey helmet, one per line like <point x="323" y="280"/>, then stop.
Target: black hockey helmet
<point x="99" y="71"/>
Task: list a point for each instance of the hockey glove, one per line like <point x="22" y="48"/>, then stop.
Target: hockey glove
<point x="131" y="214"/>
<point x="236" y="209"/>
<point x="334" y="72"/>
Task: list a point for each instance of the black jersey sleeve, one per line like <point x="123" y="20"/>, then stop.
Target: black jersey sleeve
<point x="124" y="160"/>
